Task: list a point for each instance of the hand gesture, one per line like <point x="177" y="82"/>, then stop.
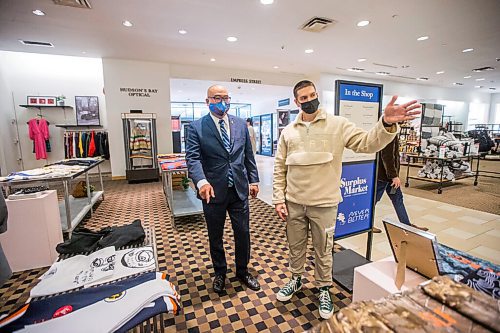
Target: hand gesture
<point x="398" y="113"/>
<point x="206" y="192"/>
<point x="396" y="182"/>
<point x="254" y="190"/>
<point x="282" y="211"/>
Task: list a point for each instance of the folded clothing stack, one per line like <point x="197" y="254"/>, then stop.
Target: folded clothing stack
<point x="114" y="307"/>
<point x="85" y="240"/>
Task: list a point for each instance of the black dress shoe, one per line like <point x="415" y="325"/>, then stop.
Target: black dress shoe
<point x="250" y="281"/>
<point x="219" y="283"/>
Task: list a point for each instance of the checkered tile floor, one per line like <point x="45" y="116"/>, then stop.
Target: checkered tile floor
<point x="183" y="254"/>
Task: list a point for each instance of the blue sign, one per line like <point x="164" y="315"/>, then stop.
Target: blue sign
<point x="284" y="102"/>
<point x="359" y="93"/>
<point x="266" y="134"/>
<point x="357" y="185"/>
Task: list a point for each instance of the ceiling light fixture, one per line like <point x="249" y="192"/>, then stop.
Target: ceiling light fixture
<point x="440" y="72"/>
<point x="212" y="59"/>
<point x="405" y="66"/>
<point x="231" y="39"/>
<point x="422" y="78"/>
<point x="457" y="84"/>
<point x="308" y="51"/>
<point x="363" y="23"/>
<point x="467" y="77"/>
<point x="382" y="73"/>
<point x="421" y="38"/>
<point x="183" y="32"/>
<point x="266" y="2"/>
<point x="492" y="88"/>
<point x="467" y="50"/>
<point x="481" y="79"/>
<point x="478" y="86"/>
<point x="354" y="69"/>
<point x="127" y="23"/>
<point x="275" y="67"/>
<point x="361" y="59"/>
<point x="38" y="12"/>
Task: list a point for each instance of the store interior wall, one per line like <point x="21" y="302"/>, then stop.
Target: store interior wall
<point x="494" y="115"/>
<point x="120" y="73"/>
<point x="457" y="100"/>
<point x="25" y="74"/>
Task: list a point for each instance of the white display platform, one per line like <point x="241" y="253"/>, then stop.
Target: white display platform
<point x="33" y="231"/>
<point x="376" y="280"/>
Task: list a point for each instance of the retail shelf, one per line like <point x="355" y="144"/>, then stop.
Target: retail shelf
<point x="77" y="126"/>
<point x="185" y="203"/>
<point x="45" y="106"/>
<point x="79" y="207"/>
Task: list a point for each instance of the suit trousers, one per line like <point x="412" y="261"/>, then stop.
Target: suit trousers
<point x="215" y="217"/>
<point x="321" y="222"/>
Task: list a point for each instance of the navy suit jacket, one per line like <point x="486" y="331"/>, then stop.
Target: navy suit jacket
<point x="208" y="159"/>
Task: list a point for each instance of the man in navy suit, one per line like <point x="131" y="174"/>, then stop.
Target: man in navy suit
<point x="221" y="163"/>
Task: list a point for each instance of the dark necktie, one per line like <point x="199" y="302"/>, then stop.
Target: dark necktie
<point x="227" y="145"/>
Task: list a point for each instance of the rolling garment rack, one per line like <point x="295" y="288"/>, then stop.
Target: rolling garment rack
<point x="72" y="210"/>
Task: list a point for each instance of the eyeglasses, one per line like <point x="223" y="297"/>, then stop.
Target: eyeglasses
<point x="219" y="99"/>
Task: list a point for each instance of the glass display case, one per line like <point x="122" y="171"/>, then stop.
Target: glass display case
<point x="139" y="131"/>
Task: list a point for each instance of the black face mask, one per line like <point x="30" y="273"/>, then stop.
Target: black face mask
<point x="310" y="107"/>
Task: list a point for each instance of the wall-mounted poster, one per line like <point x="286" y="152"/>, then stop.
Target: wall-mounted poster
<point x="87" y="110"/>
<point x="41" y="101"/>
<point x="266" y="134"/>
<point x="283" y="118"/>
<point x="256" y="128"/>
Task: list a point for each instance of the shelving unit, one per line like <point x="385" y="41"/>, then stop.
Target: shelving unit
<point x="408" y="141"/>
<point x="72" y="210"/>
<point x="40" y="107"/>
<point x="442" y="162"/>
<point x="432" y="118"/>
<point x="78" y="126"/>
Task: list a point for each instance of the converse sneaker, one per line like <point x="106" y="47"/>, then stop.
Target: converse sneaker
<point x="326" y="306"/>
<point x="289" y="289"/>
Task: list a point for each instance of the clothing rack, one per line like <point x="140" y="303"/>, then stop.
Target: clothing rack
<point x="86" y="143"/>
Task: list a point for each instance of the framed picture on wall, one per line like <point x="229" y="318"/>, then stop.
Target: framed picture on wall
<point x="41" y="101"/>
<point x="87" y="110"/>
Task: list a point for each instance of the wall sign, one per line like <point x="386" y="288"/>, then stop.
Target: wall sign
<point x="237" y="80"/>
<point x="266" y="134"/>
<point x="139" y="92"/>
<point x="284" y="102"/>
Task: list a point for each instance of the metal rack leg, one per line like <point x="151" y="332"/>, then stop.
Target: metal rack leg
<point x="100" y="180"/>
<point x="407" y="172"/>
<point x="441" y="180"/>
<point x="67" y="205"/>
<point x="89" y="195"/>
<point x="477" y="171"/>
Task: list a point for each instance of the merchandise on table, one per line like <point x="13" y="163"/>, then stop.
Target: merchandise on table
<point x="91" y="301"/>
<point x="172" y="161"/>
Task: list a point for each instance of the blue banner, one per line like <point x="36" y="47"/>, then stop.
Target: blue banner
<point x="284" y="102"/>
<point x="357" y="187"/>
<point x="359" y="93"/>
<point x="266" y="134"/>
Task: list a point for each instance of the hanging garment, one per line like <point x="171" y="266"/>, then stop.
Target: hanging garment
<point x="140" y="142"/>
<point x="92" y="149"/>
<point x="39" y="132"/>
<point x="80" y="144"/>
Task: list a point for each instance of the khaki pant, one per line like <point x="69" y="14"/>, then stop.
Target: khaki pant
<point x="321" y="222"/>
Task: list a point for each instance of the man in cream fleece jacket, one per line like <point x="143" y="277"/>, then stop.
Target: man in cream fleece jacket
<point x="306" y="184"/>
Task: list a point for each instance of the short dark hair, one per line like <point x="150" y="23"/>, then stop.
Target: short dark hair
<point x="249" y="120"/>
<point x="302" y="84"/>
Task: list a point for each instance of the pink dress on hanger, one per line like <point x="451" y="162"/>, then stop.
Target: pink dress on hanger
<point x="39" y="132"/>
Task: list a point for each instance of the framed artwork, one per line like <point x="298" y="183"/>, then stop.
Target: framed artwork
<point x="41" y="101"/>
<point x="87" y="110"/>
<point x="283" y="118"/>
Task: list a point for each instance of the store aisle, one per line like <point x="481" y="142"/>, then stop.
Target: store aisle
<point x="468" y="230"/>
<point x="183" y="255"/>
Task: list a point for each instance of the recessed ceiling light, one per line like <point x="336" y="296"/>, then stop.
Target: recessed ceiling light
<point x="212" y="59"/>
<point x="183" y="32"/>
<point x="38" y="12"/>
<point x="127" y="23"/>
<point x="492" y="88"/>
<point x="354" y="69"/>
<point x="457" y="84"/>
<point x="467" y="50"/>
<point x="478" y="86"/>
<point x="275" y="67"/>
<point x="481" y="79"/>
<point x="309" y="51"/>
<point x="363" y="23"/>
<point x="266" y="2"/>
<point x="361" y="59"/>
<point x="467" y="77"/>
<point x="84" y="52"/>
<point x="421" y="38"/>
<point x="422" y="78"/>
<point x="440" y="72"/>
<point x="382" y="73"/>
<point x="231" y="39"/>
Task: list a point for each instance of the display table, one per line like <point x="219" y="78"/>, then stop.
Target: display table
<point x="376" y="280"/>
<point x="34" y="230"/>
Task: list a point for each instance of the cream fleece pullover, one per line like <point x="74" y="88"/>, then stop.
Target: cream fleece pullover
<point x="308" y="162"/>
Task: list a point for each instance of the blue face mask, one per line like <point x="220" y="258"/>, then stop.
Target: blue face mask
<point x="220" y="108"/>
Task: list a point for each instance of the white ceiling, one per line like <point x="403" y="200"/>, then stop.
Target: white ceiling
<point x="270" y="36"/>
